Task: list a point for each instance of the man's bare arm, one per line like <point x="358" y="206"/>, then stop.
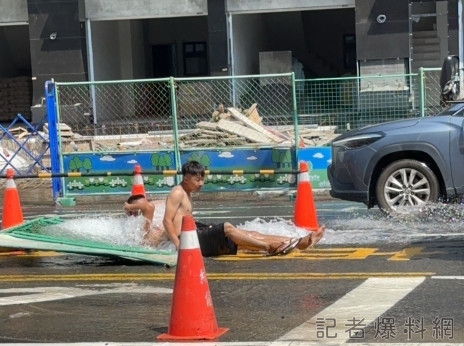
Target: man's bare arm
<point x="146" y="208"/>
<point x="131" y="207"/>
<point x="173" y="203"/>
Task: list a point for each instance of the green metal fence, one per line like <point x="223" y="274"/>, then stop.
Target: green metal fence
<point x="192" y="112"/>
<point x="198" y="109"/>
<point x="353" y="102"/>
<point x="431" y="97"/>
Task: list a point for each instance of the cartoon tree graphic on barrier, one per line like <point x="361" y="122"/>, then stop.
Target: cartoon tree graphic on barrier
<point x="75" y="165"/>
<point x="87" y="164"/>
<point x="163" y="161"/>
<point x="282" y="159"/>
<point x="195" y="157"/>
<point x="203" y="159"/>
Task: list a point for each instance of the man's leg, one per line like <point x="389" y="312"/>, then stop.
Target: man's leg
<point x="252" y="240"/>
<point x="244" y="239"/>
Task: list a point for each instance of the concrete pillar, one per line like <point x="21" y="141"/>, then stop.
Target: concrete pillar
<point x="217" y="37"/>
<point x="57" y="43"/>
<point x="442" y="28"/>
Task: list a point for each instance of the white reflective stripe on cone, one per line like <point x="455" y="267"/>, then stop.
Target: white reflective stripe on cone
<point x="303" y="177"/>
<point x="189" y="240"/>
<point x="10" y="184"/>
<point x="138" y="180"/>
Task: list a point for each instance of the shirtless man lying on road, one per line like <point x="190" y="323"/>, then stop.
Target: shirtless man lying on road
<point x="215" y="240"/>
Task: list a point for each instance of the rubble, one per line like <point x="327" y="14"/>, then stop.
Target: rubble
<point x="233" y="127"/>
<point x="227" y="127"/>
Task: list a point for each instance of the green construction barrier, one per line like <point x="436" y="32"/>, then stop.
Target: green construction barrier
<point x="29" y="236"/>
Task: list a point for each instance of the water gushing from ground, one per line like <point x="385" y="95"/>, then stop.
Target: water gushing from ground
<point x="433" y="221"/>
<point x="110" y="229"/>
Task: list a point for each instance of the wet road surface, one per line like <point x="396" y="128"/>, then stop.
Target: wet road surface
<point x="371" y="279"/>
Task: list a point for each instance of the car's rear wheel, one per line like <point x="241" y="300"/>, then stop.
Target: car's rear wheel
<point x="406" y="183"/>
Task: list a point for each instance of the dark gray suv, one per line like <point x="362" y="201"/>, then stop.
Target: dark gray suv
<point x="401" y="163"/>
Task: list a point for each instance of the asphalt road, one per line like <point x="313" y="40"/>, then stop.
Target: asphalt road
<point x="372" y="279"/>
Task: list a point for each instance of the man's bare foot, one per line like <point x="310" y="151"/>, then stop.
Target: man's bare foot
<point x="312" y="238"/>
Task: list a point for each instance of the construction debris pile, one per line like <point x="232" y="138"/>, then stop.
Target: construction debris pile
<point x="226" y="128"/>
<point x="231" y="127"/>
<point x="22" y="149"/>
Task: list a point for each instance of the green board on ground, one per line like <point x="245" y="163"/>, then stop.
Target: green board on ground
<point x="27" y="236"/>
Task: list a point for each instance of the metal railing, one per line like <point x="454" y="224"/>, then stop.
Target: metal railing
<point x="142" y="106"/>
<point x="353" y="102"/>
<point x="163" y="106"/>
<point x="431" y="91"/>
<point x="178" y="113"/>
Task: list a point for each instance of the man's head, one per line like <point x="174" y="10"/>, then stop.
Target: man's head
<point x="194" y="175"/>
<point x="133" y="200"/>
<point x="193" y="168"/>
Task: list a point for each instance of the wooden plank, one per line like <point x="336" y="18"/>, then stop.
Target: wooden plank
<point x="215" y="133"/>
<point x="237" y="115"/>
<point x="243" y="131"/>
<point x="252" y="114"/>
<point x="200" y="141"/>
<point x="207" y="125"/>
<point x="62" y="127"/>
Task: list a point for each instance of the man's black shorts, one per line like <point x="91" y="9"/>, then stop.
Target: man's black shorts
<point x="213" y="240"/>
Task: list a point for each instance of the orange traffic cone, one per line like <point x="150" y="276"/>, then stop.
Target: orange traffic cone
<point x="137" y="186"/>
<point x="305" y="210"/>
<point x="12" y="211"/>
<point x="192" y="311"/>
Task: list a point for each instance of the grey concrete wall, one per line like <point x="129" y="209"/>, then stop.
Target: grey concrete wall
<point x="275" y="62"/>
<point x="382" y="67"/>
<point x="13" y="11"/>
<point x="132" y="49"/>
<point x="107" y="63"/>
<point x="125" y="49"/>
<point x="253" y="6"/>
<point x="389" y="39"/>
<point x="125" y="9"/>
<point x="138" y="50"/>
<point x="249" y="38"/>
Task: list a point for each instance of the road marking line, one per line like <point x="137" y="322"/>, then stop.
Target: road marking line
<point x="407" y="253"/>
<point x="31" y="253"/>
<point x="448" y="277"/>
<point x="45" y="294"/>
<point x="362" y="303"/>
<point x="211" y="276"/>
<point x="313" y="254"/>
<point x="361" y="253"/>
<point x="330" y="254"/>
